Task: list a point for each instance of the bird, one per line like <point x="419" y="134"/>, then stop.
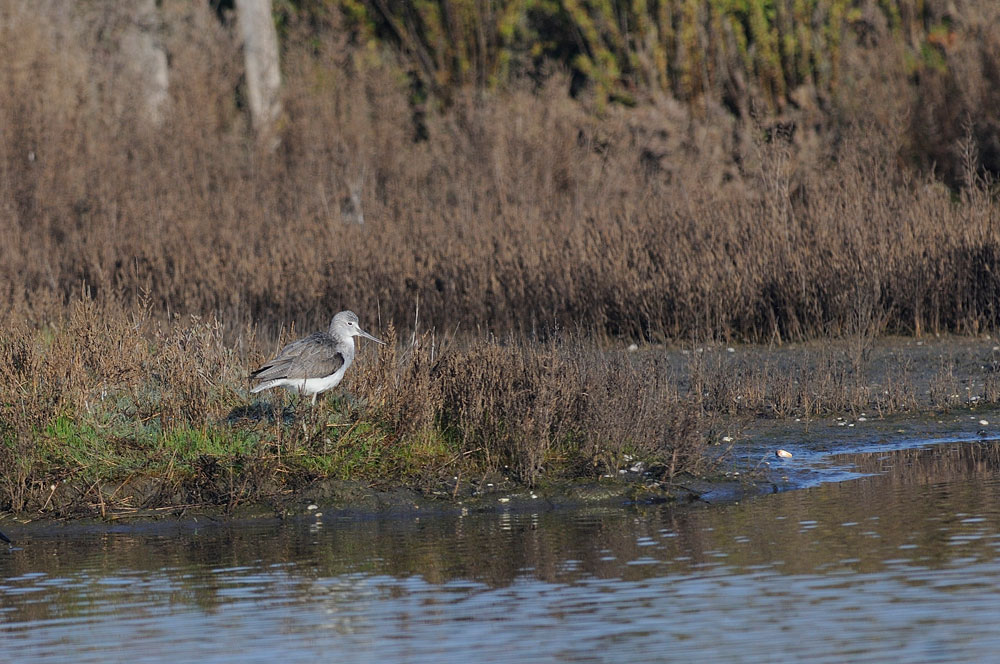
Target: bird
<point x="315" y="363"/>
<point x="5" y="538"/>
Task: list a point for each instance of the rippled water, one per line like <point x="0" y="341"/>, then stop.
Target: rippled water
<point x="901" y="565"/>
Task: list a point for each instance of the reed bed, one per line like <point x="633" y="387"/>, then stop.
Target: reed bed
<point x="516" y="210"/>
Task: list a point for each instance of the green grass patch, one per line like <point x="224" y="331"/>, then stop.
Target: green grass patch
<point x="190" y="444"/>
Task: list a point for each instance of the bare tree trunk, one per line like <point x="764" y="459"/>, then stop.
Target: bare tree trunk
<point x="263" y="74"/>
<point x="146" y="59"/>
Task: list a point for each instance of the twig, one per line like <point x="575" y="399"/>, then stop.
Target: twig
<point x="52" y="490"/>
<point x="457" y="457"/>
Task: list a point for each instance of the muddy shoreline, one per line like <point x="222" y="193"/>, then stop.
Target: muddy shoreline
<point x="753" y="472"/>
<point x="339" y="500"/>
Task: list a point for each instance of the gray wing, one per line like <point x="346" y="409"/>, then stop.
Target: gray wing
<point x="315" y="356"/>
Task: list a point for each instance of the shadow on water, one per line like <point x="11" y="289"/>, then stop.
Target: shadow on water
<point x="914" y="542"/>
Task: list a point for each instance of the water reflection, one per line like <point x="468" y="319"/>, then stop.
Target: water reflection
<point x="898" y="564"/>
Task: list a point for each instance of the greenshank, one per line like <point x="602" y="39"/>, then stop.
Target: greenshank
<point x="316" y="363"/>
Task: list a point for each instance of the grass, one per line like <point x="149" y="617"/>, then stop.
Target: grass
<point x="175" y="410"/>
<point x="88" y="432"/>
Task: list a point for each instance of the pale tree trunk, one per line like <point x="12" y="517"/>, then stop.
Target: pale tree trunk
<point x="146" y="59"/>
<point x="263" y="75"/>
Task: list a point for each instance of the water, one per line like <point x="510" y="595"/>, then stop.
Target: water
<point x="901" y="564"/>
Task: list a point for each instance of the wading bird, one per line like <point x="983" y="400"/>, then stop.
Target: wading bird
<point x="316" y="363"/>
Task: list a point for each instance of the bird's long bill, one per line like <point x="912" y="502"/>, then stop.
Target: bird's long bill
<point x="368" y="336"/>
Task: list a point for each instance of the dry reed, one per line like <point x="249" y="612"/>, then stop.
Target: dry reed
<point x="521" y="212"/>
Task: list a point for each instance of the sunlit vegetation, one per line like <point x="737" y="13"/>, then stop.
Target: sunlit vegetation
<point x="541" y="183"/>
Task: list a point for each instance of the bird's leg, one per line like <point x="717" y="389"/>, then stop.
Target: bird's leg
<point x="279" y="420"/>
<point x="314" y="416"/>
<point x="298" y="402"/>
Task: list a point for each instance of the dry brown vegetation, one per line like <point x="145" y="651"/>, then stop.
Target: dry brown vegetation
<point x="518" y="212"/>
<point x="522" y="211"/>
<point x="111" y="410"/>
<point x="116" y="411"/>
